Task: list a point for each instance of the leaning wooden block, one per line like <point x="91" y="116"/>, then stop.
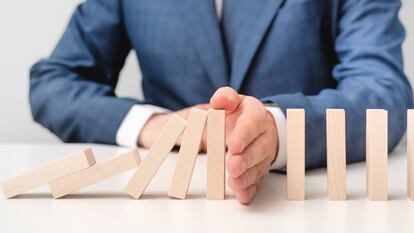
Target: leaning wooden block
<point x="376" y="154"/>
<point x="295" y="167"/>
<point x="216" y="150"/>
<point x="410" y="153"/>
<point x="98" y="172"/>
<point x="336" y="153"/>
<point x="48" y="173"/>
<point x="187" y="155"/>
<point x="159" y="150"/>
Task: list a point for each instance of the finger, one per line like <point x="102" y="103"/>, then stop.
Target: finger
<point x="250" y="124"/>
<point x="238" y="184"/>
<point x="255" y="153"/>
<point x="246" y="196"/>
<point x="250" y="177"/>
<point x="226" y="98"/>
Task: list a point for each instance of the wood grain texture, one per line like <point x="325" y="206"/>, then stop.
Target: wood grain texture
<point x="157" y="153"/>
<point x="410" y="153"/>
<point x="216" y="150"/>
<point x="48" y="173"/>
<point x="377" y="154"/>
<point x="336" y="154"/>
<point x="96" y="173"/>
<point x="190" y="146"/>
<point x="295" y="154"/>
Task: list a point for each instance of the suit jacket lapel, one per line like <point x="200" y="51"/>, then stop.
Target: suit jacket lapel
<point x="251" y="26"/>
<point x="199" y="17"/>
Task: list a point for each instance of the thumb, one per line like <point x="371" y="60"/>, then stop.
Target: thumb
<point x="226" y="98"/>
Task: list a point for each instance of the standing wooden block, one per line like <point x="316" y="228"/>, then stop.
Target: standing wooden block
<point x="410" y="153"/>
<point x="295" y="154"/>
<point x="159" y="150"/>
<point x="48" y="173"/>
<point x="98" y="172"/>
<point x="190" y="145"/>
<point x="336" y="153"/>
<point x="376" y="154"/>
<point x="216" y="150"/>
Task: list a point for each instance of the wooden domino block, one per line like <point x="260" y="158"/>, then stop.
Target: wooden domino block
<point x="295" y="167"/>
<point x="410" y="153"/>
<point x="48" y="173"/>
<point x="336" y="153"/>
<point x="216" y="150"/>
<point x="159" y="150"/>
<point x="187" y="155"/>
<point x="98" y="172"/>
<point x="376" y="154"/>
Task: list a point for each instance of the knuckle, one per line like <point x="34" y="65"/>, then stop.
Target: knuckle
<point x="238" y="183"/>
<point x="234" y="166"/>
<point x="236" y="144"/>
<point x="247" y="159"/>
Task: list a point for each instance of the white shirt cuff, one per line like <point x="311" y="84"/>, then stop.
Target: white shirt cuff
<point x="281" y="131"/>
<point x="134" y="121"/>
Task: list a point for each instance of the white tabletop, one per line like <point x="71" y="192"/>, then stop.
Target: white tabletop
<point x="106" y="208"/>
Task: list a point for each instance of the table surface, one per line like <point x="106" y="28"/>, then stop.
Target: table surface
<point x="104" y="207"/>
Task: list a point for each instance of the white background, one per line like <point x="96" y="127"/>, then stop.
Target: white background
<point x="29" y="31"/>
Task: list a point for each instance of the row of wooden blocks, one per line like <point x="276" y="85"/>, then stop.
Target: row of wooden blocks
<point x="376" y="154"/>
<point x="80" y="170"/>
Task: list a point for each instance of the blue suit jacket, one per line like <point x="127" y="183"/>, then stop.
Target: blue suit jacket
<point x="311" y="54"/>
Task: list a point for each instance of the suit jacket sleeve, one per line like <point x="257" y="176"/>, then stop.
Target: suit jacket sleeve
<point x="72" y="92"/>
<point x="369" y="73"/>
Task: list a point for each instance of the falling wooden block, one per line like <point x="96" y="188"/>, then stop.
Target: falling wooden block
<point x="376" y="154"/>
<point x="336" y="153"/>
<point x="295" y="167"/>
<point x="159" y="150"/>
<point x="187" y="155"/>
<point x="410" y="153"/>
<point x="48" y="173"/>
<point x="98" y="172"/>
<point x="216" y="150"/>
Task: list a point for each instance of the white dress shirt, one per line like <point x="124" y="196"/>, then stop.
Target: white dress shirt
<point x="138" y="115"/>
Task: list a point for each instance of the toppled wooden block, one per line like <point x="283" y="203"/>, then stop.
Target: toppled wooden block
<point x="98" y="172"/>
<point x="187" y="155"/>
<point x="159" y="150"/>
<point x="48" y="173"/>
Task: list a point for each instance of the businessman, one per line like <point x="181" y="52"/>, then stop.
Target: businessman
<point x="252" y="58"/>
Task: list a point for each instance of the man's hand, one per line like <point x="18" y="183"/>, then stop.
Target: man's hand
<point x="153" y="127"/>
<point x="251" y="139"/>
